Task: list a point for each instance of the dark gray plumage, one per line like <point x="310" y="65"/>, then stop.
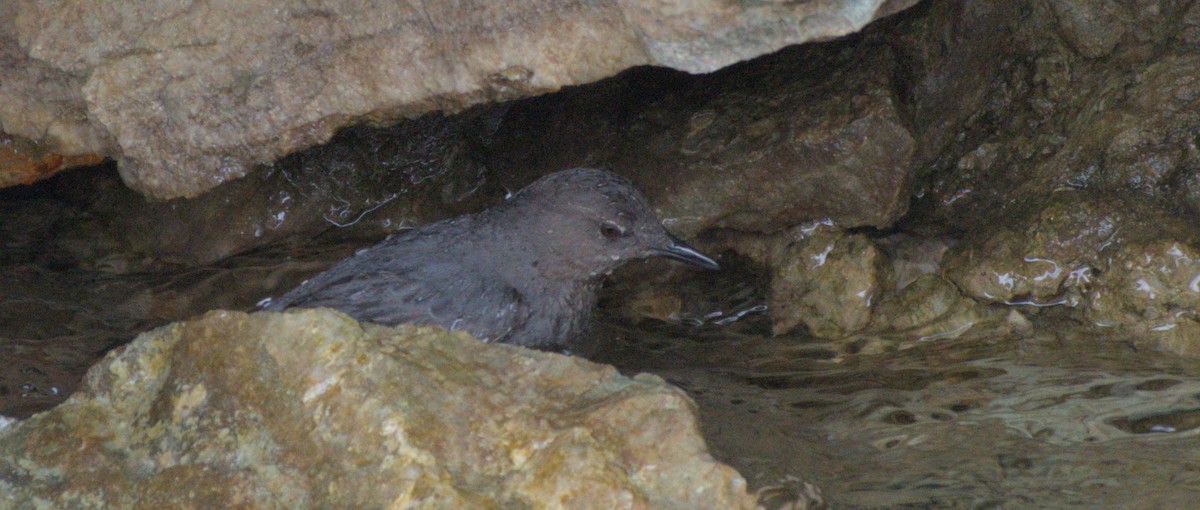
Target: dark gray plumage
<point x="524" y="272"/>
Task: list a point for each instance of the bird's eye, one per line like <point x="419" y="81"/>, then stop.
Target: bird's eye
<point x="611" y="230"/>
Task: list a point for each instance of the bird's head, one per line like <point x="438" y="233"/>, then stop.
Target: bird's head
<point x="592" y="221"/>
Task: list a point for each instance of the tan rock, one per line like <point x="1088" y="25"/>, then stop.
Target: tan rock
<point x="821" y="278"/>
<point x="1153" y="290"/>
<point x="22" y="162"/>
<point x="189" y="95"/>
<point x="930" y="308"/>
<point x="1122" y="260"/>
<point x="312" y="410"/>
<point x="1048" y="256"/>
<point x="762" y="159"/>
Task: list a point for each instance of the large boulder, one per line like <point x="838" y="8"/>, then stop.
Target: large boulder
<point x="313" y="410"/>
<point x="187" y="95"/>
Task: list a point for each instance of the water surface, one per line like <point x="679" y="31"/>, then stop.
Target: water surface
<point x="1059" y="416"/>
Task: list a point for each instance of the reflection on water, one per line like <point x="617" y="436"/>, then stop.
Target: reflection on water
<point x="1057" y="418"/>
<point x="1054" y="418"/>
<point x="55" y="323"/>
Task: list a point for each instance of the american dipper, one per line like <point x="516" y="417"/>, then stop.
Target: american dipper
<point x="524" y="272"/>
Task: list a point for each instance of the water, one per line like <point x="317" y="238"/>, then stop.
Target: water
<point x="1056" y="416"/>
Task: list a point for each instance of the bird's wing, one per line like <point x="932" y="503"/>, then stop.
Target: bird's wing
<point x="443" y="294"/>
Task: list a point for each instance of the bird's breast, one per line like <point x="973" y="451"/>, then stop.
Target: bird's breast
<point x="559" y="315"/>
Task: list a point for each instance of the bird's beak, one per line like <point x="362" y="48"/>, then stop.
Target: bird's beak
<point x="679" y="250"/>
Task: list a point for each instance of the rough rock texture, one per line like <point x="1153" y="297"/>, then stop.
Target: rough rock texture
<point x="1078" y="166"/>
<point x="41" y="102"/>
<point x="930" y="308"/>
<point x="821" y="278"/>
<point x="1050" y="256"/>
<point x="312" y="410"/>
<point x="189" y="95"/>
<point x="1152" y="289"/>
<point x="22" y="162"/>
<point x="1122" y="259"/>
<point x="1040" y="259"/>
<point x="760" y="147"/>
<point x="1058" y="118"/>
<point x="364" y="184"/>
<point x="990" y="111"/>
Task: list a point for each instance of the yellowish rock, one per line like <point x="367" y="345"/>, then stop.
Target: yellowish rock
<point x="313" y="410"/>
<point x="821" y="278"/>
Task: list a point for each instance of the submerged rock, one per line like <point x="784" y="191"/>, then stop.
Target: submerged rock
<point x="313" y="410"/>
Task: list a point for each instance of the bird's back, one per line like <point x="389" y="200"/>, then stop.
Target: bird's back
<point x="436" y="275"/>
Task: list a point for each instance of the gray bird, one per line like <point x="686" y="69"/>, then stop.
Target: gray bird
<point x="524" y="272"/>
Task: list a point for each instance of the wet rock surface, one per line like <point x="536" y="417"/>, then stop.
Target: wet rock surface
<point x="961" y="250"/>
<point x="1049" y="256"/>
<point x="187" y="96"/>
<point x="365" y="185"/>
<point x="1151" y="289"/>
<point x="758" y="147"/>
<point x="716" y="151"/>
<point x="932" y="309"/>
<point x="312" y="410"/>
<point x="1119" y="260"/>
<point x="821" y="278"/>
<point x="22" y="162"/>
